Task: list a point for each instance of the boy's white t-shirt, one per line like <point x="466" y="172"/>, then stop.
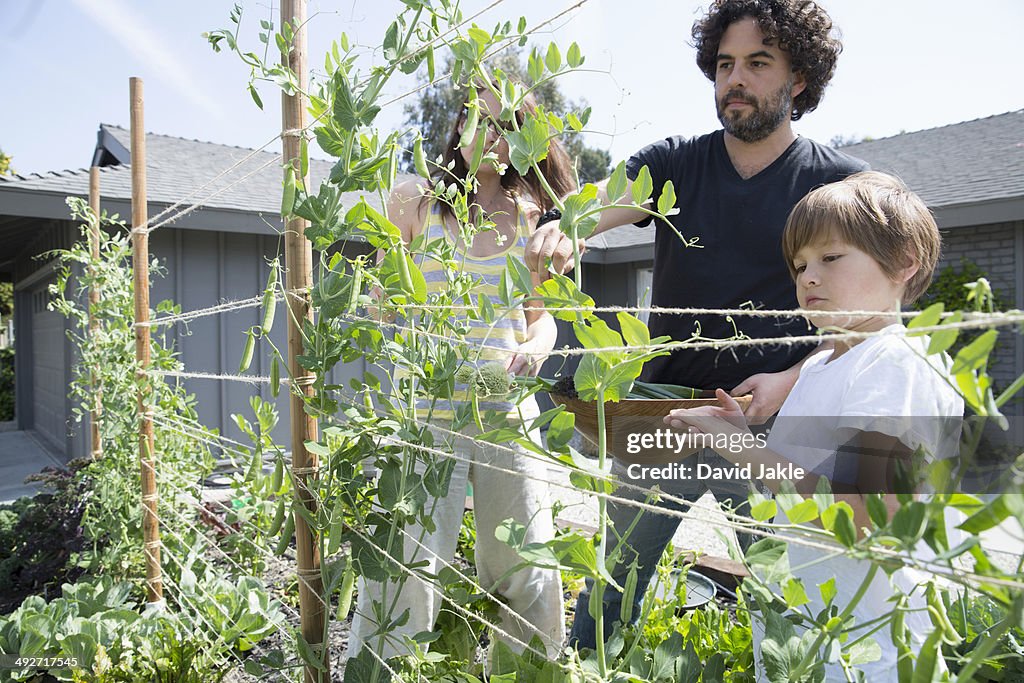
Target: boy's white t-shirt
<point x="884" y="384"/>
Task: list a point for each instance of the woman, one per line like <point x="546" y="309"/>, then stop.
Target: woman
<point x="521" y="340"/>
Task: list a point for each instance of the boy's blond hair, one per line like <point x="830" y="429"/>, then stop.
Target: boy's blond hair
<point x="876" y="213"/>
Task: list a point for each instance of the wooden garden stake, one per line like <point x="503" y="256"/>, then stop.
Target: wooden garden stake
<point x="298" y="256"/>
<point x="96" y="384"/>
<point x="140" y="269"/>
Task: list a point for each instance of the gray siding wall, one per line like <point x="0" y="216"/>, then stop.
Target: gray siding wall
<point x="998" y="249"/>
<point x="204" y="269"/>
<point x="43" y="358"/>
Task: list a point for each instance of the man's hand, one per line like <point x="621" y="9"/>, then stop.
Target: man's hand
<point x="770" y="391"/>
<point x="548" y="242"/>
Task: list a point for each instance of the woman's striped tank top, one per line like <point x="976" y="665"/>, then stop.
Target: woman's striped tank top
<point x="500" y="337"/>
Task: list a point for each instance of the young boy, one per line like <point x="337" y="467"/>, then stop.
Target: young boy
<point x="866" y="243"/>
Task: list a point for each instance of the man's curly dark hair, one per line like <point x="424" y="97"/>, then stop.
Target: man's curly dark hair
<point x="799" y="27"/>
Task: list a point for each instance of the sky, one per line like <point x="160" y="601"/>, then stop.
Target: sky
<point x="907" y="65"/>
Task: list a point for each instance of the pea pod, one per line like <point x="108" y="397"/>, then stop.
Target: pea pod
<point x="478" y="157"/>
<point x="356" y="286"/>
<point x="250" y="348"/>
<point x="270" y="300"/>
<point x="255" y="468"/>
<point x="278" y="478"/>
<point x="278" y="521"/>
<point x="286" y="535"/>
<point x="288" y="197"/>
<point x="337" y="526"/>
<point x="275" y="377"/>
<point x="626" y="608"/>
<point x="940" y="620"/>
<point x="419" y="157"/>
<point x="404" y="274"/>
<point x="348" y="583"/>
<point x="471" y="122"/>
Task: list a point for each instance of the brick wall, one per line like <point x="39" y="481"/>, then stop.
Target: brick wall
<point x="994" y="249"/>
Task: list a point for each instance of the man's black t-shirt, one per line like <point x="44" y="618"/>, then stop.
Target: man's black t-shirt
<point x="739" y="263"/>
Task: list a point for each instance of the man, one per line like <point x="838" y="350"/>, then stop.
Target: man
<point x="770" y="61"/>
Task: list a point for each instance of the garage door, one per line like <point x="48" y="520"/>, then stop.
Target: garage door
<point x="49" y="384"/>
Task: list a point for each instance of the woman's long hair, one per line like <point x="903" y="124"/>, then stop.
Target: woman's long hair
<point x="557" y="168"/>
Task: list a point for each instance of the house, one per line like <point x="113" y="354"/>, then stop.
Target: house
<point x="216" y="253"/>
<point x="970" y="174"/>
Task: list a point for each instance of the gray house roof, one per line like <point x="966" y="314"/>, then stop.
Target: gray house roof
<point x="958" y="168"/>
<point x="238" y="190"/>
<point x="969" y="173"/>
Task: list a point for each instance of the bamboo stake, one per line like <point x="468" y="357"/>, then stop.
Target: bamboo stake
<point x="298" y="256"/>
<point x="96" y="385"/>
<point x="140" y="268"/>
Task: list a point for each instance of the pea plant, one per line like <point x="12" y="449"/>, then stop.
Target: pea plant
<point x="364" y="512"/>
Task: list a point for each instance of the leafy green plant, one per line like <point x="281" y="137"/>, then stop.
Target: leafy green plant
<point x="111" y="519"/>
<point x="41" y="537"/>
<point x="6" y="384"/>
<point x="96" y="626"/>
<point x="375" y="420"/>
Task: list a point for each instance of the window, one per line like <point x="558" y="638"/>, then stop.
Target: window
<point x="644" y="283"/>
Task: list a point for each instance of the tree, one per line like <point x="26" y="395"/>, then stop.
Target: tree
<point x="5" y="164"/>
<point x="434" y="113"/>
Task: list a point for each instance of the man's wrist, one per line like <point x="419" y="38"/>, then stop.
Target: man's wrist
<point x="548" y="216"/>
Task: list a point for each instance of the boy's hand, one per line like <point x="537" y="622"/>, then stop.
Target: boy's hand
<point x="727" y="417"/>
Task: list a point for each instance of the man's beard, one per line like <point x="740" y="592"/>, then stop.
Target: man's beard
<point x="765" y="118"/>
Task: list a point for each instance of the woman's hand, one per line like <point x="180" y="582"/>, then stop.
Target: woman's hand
<point x="540" y="339"/>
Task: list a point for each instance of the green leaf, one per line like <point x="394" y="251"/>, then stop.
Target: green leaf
<point x="588" y="375"/>
<point x="804" y="512"/>
<point x="828" y="591"/>
<point x="535" y="66"/>
<point x="575" y="206"/>
<point x="529" y="144"/>
<point x="844" y="528"/>
<point x="560" y="430"/>
<point x="974" y="355"/>
<point x="764" y="510"/>
<point x="633" y="330"/>
<point x="522" y="276"/>
<point x="595" y="334"/>
<point x="994" y="512"/>
<point x="943" y="339"/>
<point x="479" y="36"/>
<point x="616" y="186"/>
<point x="770" y="557"/>
<point x="794" y="594"/>
<point x="910" y="521"/>
<point x="929" y="317"/>
<point x="574" y="56"/>
<point x="877" y="510"/>
<point x="553" y="58"/>
<point x="667" y="199"/>
<point x="643" y="186"/>
<point x="560" y="291"/>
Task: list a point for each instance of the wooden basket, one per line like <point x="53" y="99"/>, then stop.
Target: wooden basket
<point x="635" y="416"/>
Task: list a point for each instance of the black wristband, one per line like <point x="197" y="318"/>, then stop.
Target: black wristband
<point x="548" y="216"/>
